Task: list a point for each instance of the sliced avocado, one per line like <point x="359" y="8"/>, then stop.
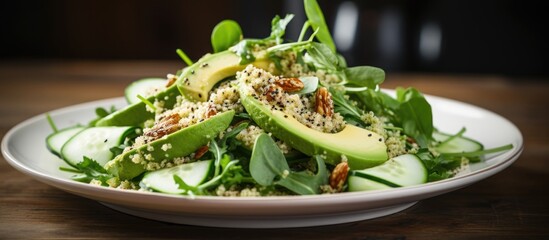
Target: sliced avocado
<point x="136" y="114"/>
<point x="178" y="144"/>
<point x="209" y="70"/>
<point x="195" y="82"/>
<point x="361" y="147"/>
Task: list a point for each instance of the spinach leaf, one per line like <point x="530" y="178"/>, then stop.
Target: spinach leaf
<point x="268" y="167"/>
<point x="267" y="161"/>
<point x="305" y="182"/>
<point x="225" y="34"/>
<point x="365" y="76"/>
<point x="415" y="115"/>
<point x="316" y="19"/>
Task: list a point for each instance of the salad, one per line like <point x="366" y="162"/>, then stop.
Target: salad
<point x="264" y="117"/>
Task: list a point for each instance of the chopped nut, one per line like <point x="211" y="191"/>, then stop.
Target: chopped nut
<point x="212" y="111"/>
<point x="290" y="84"/>
<point x="171" y="80"/>
<point x="272" y="91"/>
<point x="323" y="102"/>
<point x="201" y="151"/>
<point x="165" y="126"/>
<point x="339" y="176"/>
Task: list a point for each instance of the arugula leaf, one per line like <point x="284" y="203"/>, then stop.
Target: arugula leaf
<point x="322" y="57"/>
<point x="225" y="34"/>
<point x="89" y="170"/>
<point x="243" y="50"/>
<point x="278" y="27"/>
<point x="345" y="108"/>
<point x="316" y="19"/>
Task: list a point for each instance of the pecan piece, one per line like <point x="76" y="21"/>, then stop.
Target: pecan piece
<point x="164" y="126"/>
<point x="272" y="91"/>
<point x="211" y="111"/>
<point x="171" y="80"/>
<point x="201" y="151"/>
<point x="323" y="102"/>
<point x="290" y="84"/>
<point x="339" y="176"/>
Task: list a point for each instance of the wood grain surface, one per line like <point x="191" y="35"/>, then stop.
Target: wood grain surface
<point x="513" y="204"/>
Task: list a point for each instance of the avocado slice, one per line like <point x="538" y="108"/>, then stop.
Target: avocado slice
<point x="362" y="148"/>
<point x="178" y="144"/>
<point x="136" y="114"/>
<point x="195" y="82"/>
<point x="211" y="69"/>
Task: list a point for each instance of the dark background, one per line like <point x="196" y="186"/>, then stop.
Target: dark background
<point x="476" y="37"/>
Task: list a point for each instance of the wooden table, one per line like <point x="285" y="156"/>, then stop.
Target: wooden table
<point x="513" y="204"/>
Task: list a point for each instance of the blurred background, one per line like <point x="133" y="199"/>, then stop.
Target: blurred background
<point x="459" y="37"/>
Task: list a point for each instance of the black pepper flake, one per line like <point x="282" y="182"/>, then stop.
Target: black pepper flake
<point x="192" y="71"/>
<point x="380" y="139"/>
<point x="200" y="95"/>
<point x="369" y="134"/>
<point x="106" y="140"/>
<point x="204" y="64"/>
<point x="285" y="116"/>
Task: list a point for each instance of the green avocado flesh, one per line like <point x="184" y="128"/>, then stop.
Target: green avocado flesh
<point x="178" y="144"/>
<point x="194" y="83"/>
<point x="136" y="114"/>
<point x="362" y="148"/>
<point x="211" y="69"/>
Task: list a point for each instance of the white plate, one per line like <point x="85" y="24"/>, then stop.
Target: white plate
<point x="24" y="148"/>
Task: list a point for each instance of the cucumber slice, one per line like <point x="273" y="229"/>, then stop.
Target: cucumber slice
<point x="455" y="144"/>
<point x="95" y="143"/>
<point x="56" y="140"/>
<point x="144" y="87"/>
<point x="401" y="171"/>
<point x="193" y="174"/>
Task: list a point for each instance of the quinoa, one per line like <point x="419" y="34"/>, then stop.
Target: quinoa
<point x="258" y="83"/>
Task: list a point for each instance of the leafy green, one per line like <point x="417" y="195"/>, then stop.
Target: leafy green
<point x="278" y="27"/>
<point x="316" y="19"/>
<point x="415" y="115"/>
<point x="89" y="170"/>
<point x="305" y="182"/>
<point x="268" y="167"/>
<point x="184" y="57"/>
<point x="365" y="76"/>
<point x="101" y="113"/>
<point x="51" y="123"/>
<point x="310" y="85"/>
<point x="350" y="112"/>
<point x="268" y="161"/>
<point x="225" y="34"/>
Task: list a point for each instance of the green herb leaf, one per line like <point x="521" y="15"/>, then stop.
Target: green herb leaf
<point x="365" y="76"/>
<point x="316" y="19"/>
<point x="305" y="182"/>
<point x="322" y="57"/>
<point x="310" y="85"/>
<point x="415" y="115"/>
<point x="242" y="49"/>
<point x="91" y="170"/>
<point x="345" y="107"/>
<point x="278" y="27"/>
<point x="267" y="161"/>
<point x="225" y="34"/>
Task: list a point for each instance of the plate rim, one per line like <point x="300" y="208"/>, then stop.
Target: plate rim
<point x="409" y="194"/>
